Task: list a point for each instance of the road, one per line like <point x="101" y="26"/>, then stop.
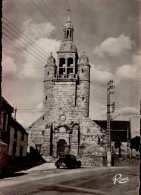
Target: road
<point x="88" y="180"/>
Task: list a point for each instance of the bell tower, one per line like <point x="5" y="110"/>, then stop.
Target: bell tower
<point x="67" y="54"/>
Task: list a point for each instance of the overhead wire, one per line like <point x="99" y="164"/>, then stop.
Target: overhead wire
<point x="36" y="5"/>
<point x="135" y="16"/>
<point x="36" y="18"/>
<point x="29" y="12"/>
<point x="94" y="97"/>
<point x="27" y="45"/>
<point x="99" y="93"/>
<point x="22" y="48"/>
<point x="31" y="0"/>
<point x="41" y="50"/>
<point x="52" y="13"/>
<point x="49" y="20"/>
<point x="24" y="45"/>
<point x="38" y="21"/>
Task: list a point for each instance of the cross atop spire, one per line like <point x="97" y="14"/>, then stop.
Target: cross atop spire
<point x="68" y="27"/>
<point x="68" y="10"/>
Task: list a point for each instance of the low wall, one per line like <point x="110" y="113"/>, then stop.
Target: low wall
<point x="92" y="161"/>
<point x="102" y="161"/>
<point x="126" y="161"/>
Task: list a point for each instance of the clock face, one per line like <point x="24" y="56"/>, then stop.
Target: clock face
<point x="63" y="118"/>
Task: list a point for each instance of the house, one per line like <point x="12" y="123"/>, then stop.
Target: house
<point x="18" y="140"/>
<point x="12" y="132"/>
<point x="120" y="135"/>
<point x="6" y="115"/>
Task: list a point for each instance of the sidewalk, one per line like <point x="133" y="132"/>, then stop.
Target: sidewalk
<point x="42" y="167"/>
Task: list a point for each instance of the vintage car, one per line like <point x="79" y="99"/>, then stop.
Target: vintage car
<point x="68" y="161"/>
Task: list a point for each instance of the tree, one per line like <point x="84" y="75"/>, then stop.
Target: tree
<point x="135" y="143"/>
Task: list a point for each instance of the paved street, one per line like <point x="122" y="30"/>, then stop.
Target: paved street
<point x="47" y="180"/>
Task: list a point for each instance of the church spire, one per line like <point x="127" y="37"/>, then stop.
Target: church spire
<point x="68" y="20"/>
<point x="68" y="10"/>
<point x="68" y="29"/>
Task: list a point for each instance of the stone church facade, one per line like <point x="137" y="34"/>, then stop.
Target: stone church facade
<point x="65" y="127"/>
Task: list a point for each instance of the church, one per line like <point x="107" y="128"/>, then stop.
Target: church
<point x="65" y="127"/>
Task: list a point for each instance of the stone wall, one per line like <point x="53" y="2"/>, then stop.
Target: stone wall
<point x="83" y="89"/>
<point x="92" y="161"/>
<point x="68" y="99"/>
<point x="126" y="161"/>
<point x="86" y="144"/>
<point x="82" y="102"/>
<point x="64" y="95"/>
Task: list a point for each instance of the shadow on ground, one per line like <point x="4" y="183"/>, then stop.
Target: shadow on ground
<point x="12" y="175"/>
<point x="19" y="164"/>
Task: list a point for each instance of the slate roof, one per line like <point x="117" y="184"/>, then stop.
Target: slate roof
<point x="120" y="130"/>
<point x="115" y="125"/>
<point x="18" y="125"/>
<point x="6" y="103"/>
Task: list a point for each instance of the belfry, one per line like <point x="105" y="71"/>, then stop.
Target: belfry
<point x="65" y="127"/>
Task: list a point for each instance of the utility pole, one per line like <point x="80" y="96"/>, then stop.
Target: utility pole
<point x="110" y="91"/>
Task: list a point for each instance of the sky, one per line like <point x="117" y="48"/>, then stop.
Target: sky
<point x="106" y="30"/>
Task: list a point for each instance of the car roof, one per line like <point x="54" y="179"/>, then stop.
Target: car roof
<point x="66" y="155"/>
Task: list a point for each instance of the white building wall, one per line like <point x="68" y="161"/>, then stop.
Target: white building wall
<point x="12" y="139"/>
<point x="21" y="143"/>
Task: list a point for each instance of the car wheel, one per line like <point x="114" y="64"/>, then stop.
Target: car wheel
<point x="58" y="166"/>
<point x="69" y="166"/>
<point x="79" y="165"/>
<point x="3" y="172"/>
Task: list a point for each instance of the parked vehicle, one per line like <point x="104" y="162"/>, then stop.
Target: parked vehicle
<point x="68" y="161"/>
<point x="4" y="158"/>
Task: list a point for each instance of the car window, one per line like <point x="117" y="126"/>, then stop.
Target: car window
<point x="73" y="157"/>
<point x="62" y="157"/>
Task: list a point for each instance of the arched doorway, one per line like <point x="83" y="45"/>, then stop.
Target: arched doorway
<point x="61" y="146"/>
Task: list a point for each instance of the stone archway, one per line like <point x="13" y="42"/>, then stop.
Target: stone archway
<point x="61" y="147"/>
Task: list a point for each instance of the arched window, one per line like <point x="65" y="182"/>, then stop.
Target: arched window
<point x="43" y="132"/>
<point x="48" y="73"/>
<point x="70" y="66"/>
<point x="83" y="98"/>
<point x="70" y="62"/>
<point x="82" y="70"/>
<point x="67" y="33"/>
<point x="46" y="97"/>
<point x="61" y="64"/>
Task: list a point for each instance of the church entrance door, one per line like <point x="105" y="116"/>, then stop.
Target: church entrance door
<point x="61" y="147"/>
